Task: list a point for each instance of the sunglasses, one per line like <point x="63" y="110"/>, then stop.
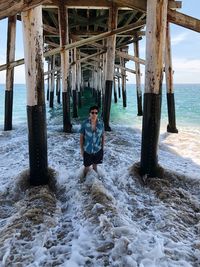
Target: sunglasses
<point x="94" y="112"/>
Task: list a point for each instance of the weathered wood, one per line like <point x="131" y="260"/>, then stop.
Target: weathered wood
<point x="81" y="43"/>
<point x="142" y="4"/>
<point x="183" y="20"/>
<point x="51" y="29"/>
<point x="101" y="36"/>
<point x="130" y="57"/>
<point x="155" y="45"/>
<point x="110" y="61"/>
<point x="171" y="127"/>
<point x="99" y="80"/>
<point x="104" y="4"/>
<point x="11" y="35"/>
<point x="8" y="8"/>
<point x="36" y="111"/>
<point x="173" y="16"/>
<point x="64" y="54"/>
<point x="79" y="81"/>
<point x="123" y="73"/>
<point x="125" y="68"/>
<point x="58" y="87"/>
<point x="48" y="79"/>
<point x="52" y="83"/>
<point x="95" y="55"/>
<point x="138" y="79"/>
<point x="115" y="91"/>
<point x="74" y="84"/>
<point x="119" y="90"/>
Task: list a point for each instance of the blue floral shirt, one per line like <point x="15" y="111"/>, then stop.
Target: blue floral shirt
<point x="92" y="139"/>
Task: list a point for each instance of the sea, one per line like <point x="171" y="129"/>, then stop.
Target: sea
<point x="110" y="218"/>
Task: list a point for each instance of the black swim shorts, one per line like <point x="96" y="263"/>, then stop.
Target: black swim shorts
<point x="96" y="158"/>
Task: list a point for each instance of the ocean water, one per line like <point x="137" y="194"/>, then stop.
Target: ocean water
<point x="111" y="219"/>
<point x="186" y="100"/>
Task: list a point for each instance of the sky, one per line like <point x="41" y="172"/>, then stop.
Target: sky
<point x="185" y="50"/>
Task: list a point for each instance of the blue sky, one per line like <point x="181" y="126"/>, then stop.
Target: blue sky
<point x="185" y="49"/>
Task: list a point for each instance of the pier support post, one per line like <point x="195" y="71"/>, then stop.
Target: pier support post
<point x="115" y="91"/>
<point x="58" y="87"/>
<point x="155" y="45"/>
<point x="79" y="82"/>
<point x="48" y="79"/>
<point x="11" y="34"/>
<point x="74" y="85"/>
<point x="123" y="83"/>
<point x="171" y="127"/>
<point x="99" y="83"/>
<point x="52" y="84"/>
<point x="110" y="61"/>
<point x="119" y="90"/>
<point x="36" y="111"/>
<point x="138" y="79"/>
<point x="64" y="54"/>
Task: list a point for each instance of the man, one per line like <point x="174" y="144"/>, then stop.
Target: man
<point x="92" y="140"/>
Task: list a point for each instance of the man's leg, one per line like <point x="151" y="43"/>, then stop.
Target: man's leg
<point x="86" y="170"/>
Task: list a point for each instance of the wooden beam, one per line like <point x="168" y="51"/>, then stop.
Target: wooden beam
<point x="129" y="57"/>
<point x="53" y="30"/>
<point x="173" y="16"/>
<point x="124" y="68"/>
<point x="89" y="57"/>
<point x="142" y="4"/>
<point x="97" y="38"/>
<point x="183" y="20"/>
<point x="8" y="8"/>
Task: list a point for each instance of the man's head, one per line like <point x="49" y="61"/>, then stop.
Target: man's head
<point x="94" y="110"/>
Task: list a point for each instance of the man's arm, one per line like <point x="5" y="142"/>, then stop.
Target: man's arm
<point x="81" y="143"/>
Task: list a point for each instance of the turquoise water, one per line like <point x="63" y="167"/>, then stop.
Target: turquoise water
<point x="187" y="98"/>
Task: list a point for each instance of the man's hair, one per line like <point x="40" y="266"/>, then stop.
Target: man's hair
<point x="94" y="107"/>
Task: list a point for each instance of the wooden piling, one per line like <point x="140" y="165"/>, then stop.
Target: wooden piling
<point x="155" y="45"/>
<point x="36" y="111"/>
<point x="138" y="79"/>
<point x="58" y="87"/>
<point x="119" y="90"/>
<point x="79" y="81"/>
<point x="123" y="73"/>
<point x="115" y="91"/>
<point x="110" y="61"/>
<point x="64" y="54"/>
<point x="48" y="79"/>
<point x="52" y="84"/>
<point x="171" y="127"/>
<point x="74" y="85"/>
<point x="11" y="35"/>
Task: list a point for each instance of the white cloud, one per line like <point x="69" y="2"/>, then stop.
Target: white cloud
<point x="187" y="65"/>
<point x="186" y="70"/>
<point x="179" y="38"/>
